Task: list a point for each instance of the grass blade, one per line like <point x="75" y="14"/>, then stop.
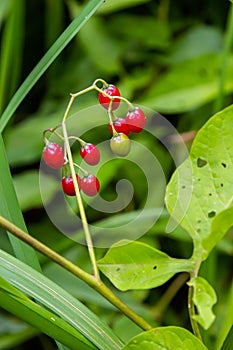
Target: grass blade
<point x="58" y="301"/>
<point x="9" y="208"/>
<point x="17" y="303"/>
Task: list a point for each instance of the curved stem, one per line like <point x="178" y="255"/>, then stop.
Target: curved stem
<point x="191" y="306"/>
<point x="91" y="280"/>
<point x="191" y="309"/>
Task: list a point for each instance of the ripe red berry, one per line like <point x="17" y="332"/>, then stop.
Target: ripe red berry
<point x="120" y="145"/>
<point x="111" y="90"/>
<point x="90" y="185"/>
<point x="90" y="154"/>
<point x="53" y="155"/>
<point x="68" y="185"/>
<point x="136" y="120"/>
<point x="120" y="125"/>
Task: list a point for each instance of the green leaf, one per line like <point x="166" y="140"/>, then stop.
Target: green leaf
<point x="220" y="225"/>
<point x="113" y="6"/>
<point x="17" y="303"/>
<point x="104" y="43"/>
<point x="137" y="265"/>
<point x="228" y="343"/>
<point x="9" y="208"/>
<point x="57" y="300"/>
<point x="28" y="190"/>
<point x="201" y="187"/>
<point x="188" y="85"/>
<point x="204" y="297"/>
<point x="165" y="338"/>
<point x="48" y="59"/>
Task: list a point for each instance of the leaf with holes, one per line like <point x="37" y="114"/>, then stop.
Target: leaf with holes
<point x="201" y="187"/>
<point x="136" y="265"/>
<point x="165" y="338"/>
<point x="204" y="297"/>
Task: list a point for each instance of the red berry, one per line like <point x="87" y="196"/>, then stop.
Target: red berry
<point x="136" y="120"/>
<point x="90" y="154"/>
<point x="120" y="145"/>
<point x="68" y="185"/>
<point x="120" y="125"/>
<point x="111" y="90"/>
<point x="53" y="155"/>
<point x="90" y="185"/>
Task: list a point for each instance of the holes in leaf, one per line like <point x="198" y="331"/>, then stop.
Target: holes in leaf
<point x="154" y="267"/>
<point x="211" y="214"/>
<point x="223" y="165"/>
<point x="221" y="185"/>
<point x="210" y="194"/>
<point x="201" y="162"/>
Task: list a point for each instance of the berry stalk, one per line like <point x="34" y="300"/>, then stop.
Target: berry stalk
<point x="80" y="202"/>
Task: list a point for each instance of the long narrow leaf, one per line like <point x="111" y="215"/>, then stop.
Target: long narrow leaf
<point x="48" y="59"/>
<point x="9" y="208"/>
<point x="17" y="303"/>
<point x="58" y="301"/>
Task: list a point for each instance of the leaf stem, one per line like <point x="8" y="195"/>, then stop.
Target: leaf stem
<point x="191" y="305"/>
<point x="91" y="280"/>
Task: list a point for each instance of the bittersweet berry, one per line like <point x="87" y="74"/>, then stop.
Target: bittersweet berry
<point x="90" y="154"/>
<point x="136" y="120"/>
<point x="53" y="155"/>
<point x="104" y="100"/>
<point x="90" y="185"/>
<point x="120" y="145"/>
<point x="68" y="185"/>
<point x="120" y="126"/>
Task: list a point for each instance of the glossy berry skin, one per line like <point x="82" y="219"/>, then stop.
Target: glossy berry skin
<point x="136" y="120"/>
<point x="120" y="145"/>
<point x="111" y="90"/>
<point x="120" y="126"/>
<point x="90" y="154"/>
<point x="68" y="185"/>
<point x="53" y="155"/>
<point x="90" y="185"/>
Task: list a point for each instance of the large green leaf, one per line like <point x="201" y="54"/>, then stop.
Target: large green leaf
<point x="56" y="299"/>
<point x="165" y="338"/>
<point x="17" y="303"/>
<point x="201" y="187"/>
<point x="204" y="297"/>
<point x="136" y="265"/>
<point x="48" y="59"/>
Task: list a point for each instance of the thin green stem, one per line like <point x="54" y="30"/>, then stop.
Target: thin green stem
<point x="191" y="309"/>
<point x="91" y="280"/>
<point x="169" y="294"/>
<point x="80" y="204"/>
<point x="191" y="306"/>
<point x="224" y="61"/>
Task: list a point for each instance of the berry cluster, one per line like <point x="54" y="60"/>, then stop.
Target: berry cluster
<point x="54" y="157"/>
<point x="120" y="128"/>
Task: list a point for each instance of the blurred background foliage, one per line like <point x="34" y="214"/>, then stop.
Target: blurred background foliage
<point x="162" y="54"/>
